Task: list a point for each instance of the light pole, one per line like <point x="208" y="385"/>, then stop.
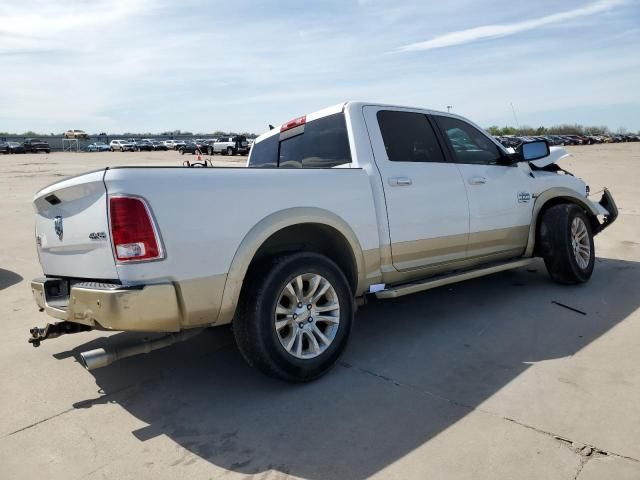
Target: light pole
<point x="449" y="107"/>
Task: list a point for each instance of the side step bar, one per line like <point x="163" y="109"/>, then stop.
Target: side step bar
<point x="435" y="282"/>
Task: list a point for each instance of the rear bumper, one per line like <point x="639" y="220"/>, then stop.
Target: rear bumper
<point x="143" y="308"/>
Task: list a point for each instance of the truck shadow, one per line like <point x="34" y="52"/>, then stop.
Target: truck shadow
<point x="415" y="366"/>
<point x="8" y="278"/>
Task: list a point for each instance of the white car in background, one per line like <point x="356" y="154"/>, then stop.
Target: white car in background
<point x="121" y="145"/>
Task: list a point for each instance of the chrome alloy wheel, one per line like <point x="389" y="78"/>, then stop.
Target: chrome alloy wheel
<point x="307" y="316"/>
<point x="580" y="242"/>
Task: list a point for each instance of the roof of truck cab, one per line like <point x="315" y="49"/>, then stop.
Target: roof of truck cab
<point x="340" y="107"/>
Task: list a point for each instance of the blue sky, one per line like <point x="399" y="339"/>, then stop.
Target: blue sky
<point x="140" y="65"/>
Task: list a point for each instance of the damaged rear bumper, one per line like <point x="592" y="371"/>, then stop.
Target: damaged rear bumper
<point x="141" y="308"/>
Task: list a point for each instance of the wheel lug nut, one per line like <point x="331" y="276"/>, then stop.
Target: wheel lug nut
<point x="300" y="325"/>
<point x="299" y="305"/>
<point x="295" y="315"/>
<point x="310" y="320"/>
<point x="309" y="307"/>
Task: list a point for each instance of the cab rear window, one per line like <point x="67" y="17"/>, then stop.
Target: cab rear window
<point x="264" y="154"/>
<point x="322" y="143"/>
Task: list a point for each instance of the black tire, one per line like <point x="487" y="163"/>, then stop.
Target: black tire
<point x="210" y="151"/>
<point x="181" y="152"/>
<point x="229" y="151"/>
<point x="254" y="328"/>
<point x="556" y="246"/>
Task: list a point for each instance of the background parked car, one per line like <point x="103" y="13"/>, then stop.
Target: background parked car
<point x="190" y="147"/>
<point x="76" y="134"/>
<point x="4" y="148"/>
<point x="35" y="145"/>
<point x="15" y="147"/>
<point x="207" y="145"/>
<point x="157" y="145"/>
<point x="98" y="147"/>
<point x="144" y="145"/>
<point x="121" y="145"/>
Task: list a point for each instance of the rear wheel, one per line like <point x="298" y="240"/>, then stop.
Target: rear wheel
<point x="566" y="244"/>
<point x="229" y="151"/>
<point x="294" y="317"/>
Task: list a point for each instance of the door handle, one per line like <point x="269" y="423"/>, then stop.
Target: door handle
<point x="399" y="181"/>
<point x="477" y="180"/>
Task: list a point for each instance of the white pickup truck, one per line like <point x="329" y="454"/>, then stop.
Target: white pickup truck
<point x="358" y="199"/>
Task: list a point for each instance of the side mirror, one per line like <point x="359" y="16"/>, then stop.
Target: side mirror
<point x="534" y="150"/>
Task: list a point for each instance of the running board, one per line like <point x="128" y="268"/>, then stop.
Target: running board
<point x="415" y="287"/>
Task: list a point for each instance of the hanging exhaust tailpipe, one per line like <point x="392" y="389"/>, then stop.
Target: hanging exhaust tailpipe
<point x="100" y="357"/>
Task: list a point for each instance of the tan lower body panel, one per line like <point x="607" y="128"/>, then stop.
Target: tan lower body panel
<point x="490" y="242"/>
<point x="200" y="300"/>
<point x="483" y="248"/>
<point x="429" y="251"/>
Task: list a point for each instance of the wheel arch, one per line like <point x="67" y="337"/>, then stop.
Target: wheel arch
<point x="549" y="198"/>
<point x="287" y="230"/>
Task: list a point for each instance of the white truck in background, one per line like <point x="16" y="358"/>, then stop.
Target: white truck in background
<point x="357" y="199"/>
<point x="231" y="145"/>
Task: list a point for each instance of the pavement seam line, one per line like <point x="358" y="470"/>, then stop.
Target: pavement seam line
<point x="596" y="450"/>
<point x="73" y="408"/>
<point x="90" y="402"/>
<point x="39" y="422"/>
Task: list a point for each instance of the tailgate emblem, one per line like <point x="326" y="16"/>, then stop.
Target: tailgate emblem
<point x="57" y="224"/>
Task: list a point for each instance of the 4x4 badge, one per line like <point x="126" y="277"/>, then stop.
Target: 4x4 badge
<point x="524" y="197"/>
<point x="57" y="225"/>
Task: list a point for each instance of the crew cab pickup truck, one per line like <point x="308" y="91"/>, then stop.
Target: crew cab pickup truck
<point x="354" y="200"/>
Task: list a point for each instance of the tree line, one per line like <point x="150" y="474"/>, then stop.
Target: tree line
<point x="566" y="128"/>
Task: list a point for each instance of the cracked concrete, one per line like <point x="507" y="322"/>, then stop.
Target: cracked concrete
<point x="487" y="379"/>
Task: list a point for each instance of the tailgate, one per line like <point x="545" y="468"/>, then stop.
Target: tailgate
<point x="72" y="229"/>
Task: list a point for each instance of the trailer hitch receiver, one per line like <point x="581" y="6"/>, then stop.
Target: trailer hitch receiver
<point x="53" y="330"/>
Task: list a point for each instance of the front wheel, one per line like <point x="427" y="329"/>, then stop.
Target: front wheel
<point x="566" y="244"/>
<point x="294" y="317"/>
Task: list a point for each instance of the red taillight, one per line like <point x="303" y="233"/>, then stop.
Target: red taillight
<point x="132" y="231"/>
<point x="296" y="122"/>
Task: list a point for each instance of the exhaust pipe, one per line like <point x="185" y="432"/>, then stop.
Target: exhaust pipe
<point x="100" y="357"/>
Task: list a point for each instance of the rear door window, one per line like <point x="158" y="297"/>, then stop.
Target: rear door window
<point x="409" y="137"/>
